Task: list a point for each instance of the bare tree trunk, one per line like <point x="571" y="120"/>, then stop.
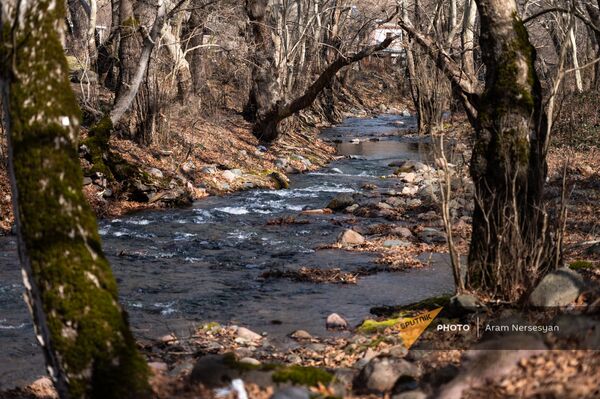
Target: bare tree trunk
<point x="265" y="92"/>
<point x="181" y="67"/>
<point x="595" y="17"/>
<point x="71" y="292"/>
<point x="129" y="55"/>
<point x="508" y="165"/>
<point x="78" y="24"/>
<point x="575" y="59"/>
<point x="195" y="38"/>
<point x="468" y="37"/>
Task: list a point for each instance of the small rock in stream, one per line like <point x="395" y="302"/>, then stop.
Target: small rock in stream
<point x="350" y="237"/>
<point x="341" y="202"/>
<point x="336" y="322"/>
<point x="300" y="335"/>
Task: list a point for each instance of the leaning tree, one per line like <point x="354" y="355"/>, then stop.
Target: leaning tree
<point x="70" y="289"/>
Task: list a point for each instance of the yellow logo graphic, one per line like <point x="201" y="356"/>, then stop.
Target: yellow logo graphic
<point x="411" y="328"/>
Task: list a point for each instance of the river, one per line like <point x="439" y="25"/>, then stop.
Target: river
<point x="179" y="268"/>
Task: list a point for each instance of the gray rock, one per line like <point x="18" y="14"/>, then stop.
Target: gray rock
<point x="382" y="372"/>
<point x="154" y="172"/>
<point x="336" y="322"/>
<point x="464" y="304"/>
<point x="413" y="202"/>
<point x="431" y="235"/>
<point x="213" y="371"/>
<point x="402" y="232"/>
<point x="558" y="288"/>
<point x="250" y="361"/>
<point x="209" y="170"/>
<point x="350" y="237"/>
<point x="300" y="335"/>
<point x="87" y="181"/>
<point x="188" y="167"/>
<point x="249" y="335"/>
<point x="383" y="205"/>
<point x="395" y="243"/>
<point x="229" y="175"/>
<point x="237" y="172"/>
<point x="336" y="171"/>
<point x="428" y="192"/>
<point x="411" y="166"/>
<point x="292" y="393"/>
<point x="341" y="202"/>
<point x="351" y="208"/>
<point x="281" y="163"/>
<point x="319" y="348"/>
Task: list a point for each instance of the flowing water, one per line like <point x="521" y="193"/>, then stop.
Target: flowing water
<point x="179" y="268"/>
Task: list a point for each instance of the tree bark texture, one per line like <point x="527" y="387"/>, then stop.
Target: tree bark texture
<point x="264" y="91"/>
<point x="508" y="163"/>
<point x="70" y="289"/>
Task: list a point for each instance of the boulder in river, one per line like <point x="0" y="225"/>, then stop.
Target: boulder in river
<point x="336" y="322"/>
<point x="558" y="288"/>
<point x="351" y="237"/>
<point x="341" y="202"/>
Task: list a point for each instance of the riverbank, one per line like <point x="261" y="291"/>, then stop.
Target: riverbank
<point x="257" y="254"/>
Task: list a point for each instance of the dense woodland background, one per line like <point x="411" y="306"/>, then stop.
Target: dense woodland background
<point x="159" y="91"/>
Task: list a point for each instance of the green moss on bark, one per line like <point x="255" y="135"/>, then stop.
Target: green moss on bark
<point x="89" y="345"/>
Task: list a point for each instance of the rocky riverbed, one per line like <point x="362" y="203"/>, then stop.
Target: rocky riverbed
<point x="272" y="288"/>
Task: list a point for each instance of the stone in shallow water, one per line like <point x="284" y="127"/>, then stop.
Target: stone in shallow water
<point x="351" y="237"/>
<point x="336" y="322"/>
<point x="300" y="335"/>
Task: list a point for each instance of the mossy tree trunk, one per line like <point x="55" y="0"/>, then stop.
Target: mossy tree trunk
<point x="508" y="165"/>
<point x="71" y="292"/>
